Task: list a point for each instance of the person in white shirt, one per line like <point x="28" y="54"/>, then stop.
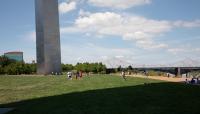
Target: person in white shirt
<point x="123" y="75"/>
<point x="69" y="75"/>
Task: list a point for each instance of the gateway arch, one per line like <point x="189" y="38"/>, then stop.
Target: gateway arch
<point x="47" y="37"/>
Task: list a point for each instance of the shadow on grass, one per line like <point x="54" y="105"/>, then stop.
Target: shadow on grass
<point x="158" y="98"/>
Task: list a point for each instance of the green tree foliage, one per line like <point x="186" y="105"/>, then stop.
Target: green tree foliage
<point x="18" y="68"/>
<point x="12" y="67"/>
<point x="4" y="61"/>
<point x="67" y="67"/>
<point x="119" y="69"/>
<point x="130" y="67"/>
<point x="91" y="67"/>
<point x="2" y="70"/>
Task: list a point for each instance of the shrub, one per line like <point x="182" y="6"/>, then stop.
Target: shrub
<point x="2" y="70"/>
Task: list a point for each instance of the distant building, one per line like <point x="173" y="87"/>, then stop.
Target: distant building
<point x="18" y="56"/>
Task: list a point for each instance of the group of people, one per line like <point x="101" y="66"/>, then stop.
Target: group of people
<point x="78" y="75"/>
<point x="193" y="81"/>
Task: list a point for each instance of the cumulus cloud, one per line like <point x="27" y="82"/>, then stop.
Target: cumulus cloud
<point x="67" y="7"/>
<point x="137" y="29"/>
<point x="118" y="4"/>
<point x="132" y="28"/>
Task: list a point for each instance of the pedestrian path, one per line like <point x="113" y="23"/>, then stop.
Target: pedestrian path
<point x="170" y="79"/>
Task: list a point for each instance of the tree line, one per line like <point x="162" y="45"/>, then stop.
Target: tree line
<point x="12" y="67"/>
<point x="85" y="67"/>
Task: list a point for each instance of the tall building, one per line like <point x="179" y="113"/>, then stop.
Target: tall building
<point x="17" y="56"/>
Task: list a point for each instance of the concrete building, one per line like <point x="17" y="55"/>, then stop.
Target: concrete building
<point x="47" y="37"/>
<point x="17" y="56"/>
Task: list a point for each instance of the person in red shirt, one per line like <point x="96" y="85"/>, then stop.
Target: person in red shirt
<point x="81" y="74"/>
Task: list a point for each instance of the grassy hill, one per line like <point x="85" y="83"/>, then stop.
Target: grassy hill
<point x="100" y="94"/>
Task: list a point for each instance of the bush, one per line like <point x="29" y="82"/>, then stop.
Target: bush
<point x="103" y="72"/>
<point x="10" y="69"/>
<point x="18" y="68"/>
<point x="90" y="67"/>
<point x="2" y="70"/>
<point x="67" y="67"/>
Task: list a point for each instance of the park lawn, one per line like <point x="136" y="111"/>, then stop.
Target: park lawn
<point x="100" y="94"/>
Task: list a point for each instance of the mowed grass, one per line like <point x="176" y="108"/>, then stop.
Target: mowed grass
<point x="100" y="94"/>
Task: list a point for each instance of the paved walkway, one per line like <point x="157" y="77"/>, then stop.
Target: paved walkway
<point x="5" y="110"/>
<point x="170" y="79"/>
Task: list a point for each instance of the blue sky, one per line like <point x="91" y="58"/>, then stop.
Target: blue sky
<point x="135" y="31"/>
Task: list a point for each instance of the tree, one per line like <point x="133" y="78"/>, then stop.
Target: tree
<point x="67" y="67"/>
<point x="86" y="67"/>
<point x="4" y="61"/>
<point x="130" y="67"/>
<point x="33" y="68"/>
<point x="11" y="69"/>
<point x="20" y="68"/>
<point x="2" y="70"/>
<point x="119" y="68"/>
<point x="90" y="67"/>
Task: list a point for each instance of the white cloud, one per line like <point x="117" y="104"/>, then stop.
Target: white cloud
<point x="137" y="29"/>
<point x="187" y="24"/>
<point x="150" y="45"/>
<point x="92" y="53"/>
<point x="176" y="50"/>
<point x="84" y="13"/>
<point x="118" y="4"/>
<point x="183" y="50"/>
<point x="134" y="28"/>
<point x="119" y="56"/>
<point x="67" y="7"/>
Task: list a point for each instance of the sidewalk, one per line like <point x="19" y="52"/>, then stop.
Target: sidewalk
<point x="170" y="79"/>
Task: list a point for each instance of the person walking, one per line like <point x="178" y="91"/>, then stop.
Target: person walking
<point x="123" y="75"/>
<point x="77" y="75"/>
<point x="80" y="74"/>
<point x="69" y="75"/>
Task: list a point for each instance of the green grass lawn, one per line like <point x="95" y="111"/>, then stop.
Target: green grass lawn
<point x="97" y="95"/>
